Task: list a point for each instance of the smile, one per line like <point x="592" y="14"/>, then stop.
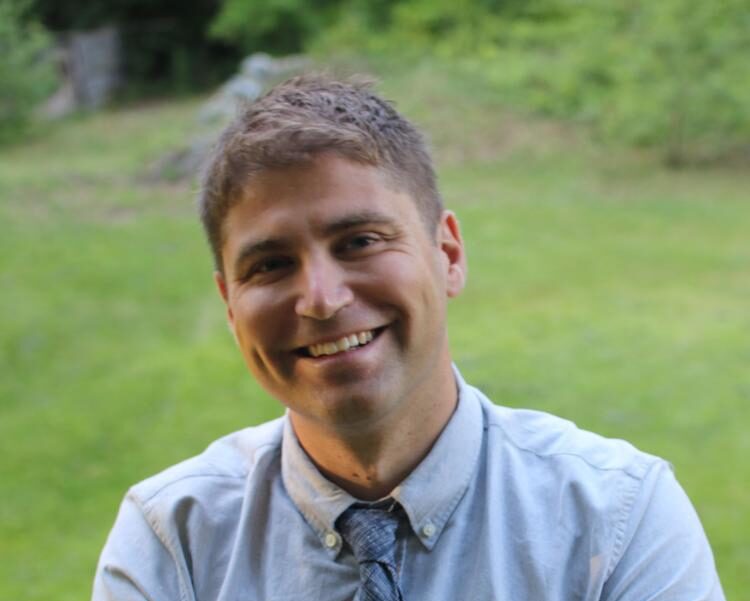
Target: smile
<point x="343" y="344"/>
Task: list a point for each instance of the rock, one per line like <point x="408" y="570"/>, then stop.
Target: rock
<point x="257" y="66"/>
<point x="257" y="72"/>
<point x="182" y="163"/>
<point x="88" y="63"/>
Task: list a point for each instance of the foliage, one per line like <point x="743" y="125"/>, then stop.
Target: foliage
<point x="277" y="26"/>
<point x="671" y="74"/>
<point x="668" y="74"/>
<point x="61" y="15"/>
<point x="26" y="74"/>
<point x="164" y="42"/>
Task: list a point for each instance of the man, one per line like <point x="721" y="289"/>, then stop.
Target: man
<point x="389" y="477"/>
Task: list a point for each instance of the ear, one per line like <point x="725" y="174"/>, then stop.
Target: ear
<point x="221" y="284"/>
<point x="452" y="247"/>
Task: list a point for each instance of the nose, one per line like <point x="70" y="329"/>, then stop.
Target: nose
<point x="323" y="289"/>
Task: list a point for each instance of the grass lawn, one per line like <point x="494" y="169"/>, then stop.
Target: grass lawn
<point x="601" y="288"/>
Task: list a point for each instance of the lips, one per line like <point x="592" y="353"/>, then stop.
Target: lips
<point x="343" y="344"/>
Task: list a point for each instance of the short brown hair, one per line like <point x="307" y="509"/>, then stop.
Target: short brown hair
<point x="301" y="118"/>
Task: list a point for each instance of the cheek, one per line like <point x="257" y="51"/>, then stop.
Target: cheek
<point x="409" y="266"/>
<point x="259" y="319"/>
<point x="414" y="286"/>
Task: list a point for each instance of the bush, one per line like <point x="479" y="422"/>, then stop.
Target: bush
<point x="164" y="47"/>
<point x="276" y="26"/>
<point x="670" y="75"/>
<point x="26" y="71"/>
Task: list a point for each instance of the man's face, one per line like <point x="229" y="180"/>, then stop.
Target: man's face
<point x="336" y="292"/>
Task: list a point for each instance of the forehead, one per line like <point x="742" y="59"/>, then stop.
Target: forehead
<point x="325" y="175"/>
<point x="285" y="202"/>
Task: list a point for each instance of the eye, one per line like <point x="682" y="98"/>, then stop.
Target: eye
<point x="358" y="242"/>
<point x="269" y="266"/>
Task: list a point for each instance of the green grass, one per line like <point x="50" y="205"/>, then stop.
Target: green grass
<point x="601" y="288"/>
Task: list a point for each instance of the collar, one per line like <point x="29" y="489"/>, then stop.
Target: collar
<point x="428" y="495"/>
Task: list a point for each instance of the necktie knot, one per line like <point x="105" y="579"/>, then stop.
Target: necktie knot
<point x="371" y="533"/>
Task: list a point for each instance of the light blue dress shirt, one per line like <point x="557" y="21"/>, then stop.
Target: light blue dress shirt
<point x="508" y="505"/>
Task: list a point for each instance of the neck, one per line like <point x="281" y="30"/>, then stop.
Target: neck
<point x="370" y="461"/>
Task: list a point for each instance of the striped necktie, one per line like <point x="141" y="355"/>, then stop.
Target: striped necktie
<point x="371" y="533"/>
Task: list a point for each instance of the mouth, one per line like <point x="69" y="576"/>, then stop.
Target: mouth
<point x="345" y="344"/>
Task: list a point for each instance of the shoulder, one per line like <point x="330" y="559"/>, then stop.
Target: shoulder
<point x="571" y="490"/>
<point x="186" y="515"/>
<point x="183" y="518"/>
<point x="562" y="476"/>
<point x="553" y="440"/>
<point x="221" y="469"/>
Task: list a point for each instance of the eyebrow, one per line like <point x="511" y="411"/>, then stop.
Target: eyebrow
<point x="258" y="248"/>
<point x="356" y="220"/>
<point x="347" y="222"/>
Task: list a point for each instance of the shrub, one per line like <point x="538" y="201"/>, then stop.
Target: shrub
<point x="670" y="75"/>
<point x="276" y="26"/>
<point x="26" y="71"/>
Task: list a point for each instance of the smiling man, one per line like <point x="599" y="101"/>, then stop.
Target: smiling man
<point x="389" y="477"/>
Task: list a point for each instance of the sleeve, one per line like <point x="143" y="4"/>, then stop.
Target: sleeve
<point x="136" y="564"/>
<point x="665" y="554"/>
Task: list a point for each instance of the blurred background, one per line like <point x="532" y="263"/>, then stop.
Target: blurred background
<point x="597" y="154"/>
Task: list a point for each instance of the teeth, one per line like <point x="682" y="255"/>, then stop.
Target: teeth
<point x="342" y="344"/>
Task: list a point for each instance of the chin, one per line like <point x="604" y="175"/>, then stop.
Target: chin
<point x="342" y="409"/>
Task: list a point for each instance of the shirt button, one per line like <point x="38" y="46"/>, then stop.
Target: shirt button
<point x="428" y="529"/>
<point x="331" y="540"/>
